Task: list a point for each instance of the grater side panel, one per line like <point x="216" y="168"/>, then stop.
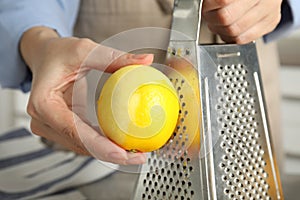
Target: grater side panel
<point x="173" y="172"/>
<point x="239" y="160"/>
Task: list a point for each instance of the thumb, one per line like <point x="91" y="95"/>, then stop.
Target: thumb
<point x="109" y="60"/>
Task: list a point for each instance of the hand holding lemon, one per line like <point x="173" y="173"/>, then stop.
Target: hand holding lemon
<point x="138" y="108"/>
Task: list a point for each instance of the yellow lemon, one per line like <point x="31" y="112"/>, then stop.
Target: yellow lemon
<point x="138" y="108"/>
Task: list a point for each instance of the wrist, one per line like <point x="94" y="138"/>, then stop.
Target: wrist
<point x="33" y="43"/>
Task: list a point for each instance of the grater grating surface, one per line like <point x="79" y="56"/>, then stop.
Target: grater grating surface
<point x="172" y="171"/>
<point x="236" y="160"/>
<point x="240" y="160"/>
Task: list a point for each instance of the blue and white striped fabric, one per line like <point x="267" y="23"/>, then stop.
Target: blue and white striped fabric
<point x="29" y="170"/>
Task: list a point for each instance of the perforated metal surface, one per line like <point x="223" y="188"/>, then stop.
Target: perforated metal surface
<point x="239" y="157"/>
<point x="236" y="160"/>
<point x="243" y="164"/>
<point x="173" y="171"/>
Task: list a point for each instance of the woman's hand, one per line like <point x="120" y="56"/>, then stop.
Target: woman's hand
<point x="241" y="21"/>
<point x="55" y="64"/>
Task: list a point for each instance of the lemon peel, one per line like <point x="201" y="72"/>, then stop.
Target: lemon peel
<point x="138" y="108"/>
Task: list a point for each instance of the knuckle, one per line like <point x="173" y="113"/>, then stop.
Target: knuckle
<point x="34" y="106"/>
<point x="272" y="23"/>
<point x="34" y="128"/>
<point x="75" y="143"/>
<point x="83" y="42"/>
<point x="68" y="130"/>
<point x="224" y="16"/>
<point x="277" y="19"/>
<point x="233" y="30"/>
<point x="31" y="109"/>
<point x="82" y="46"/>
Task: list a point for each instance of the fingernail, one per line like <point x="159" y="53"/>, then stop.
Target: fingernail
<point x="117" y="156"/>
<point x="140" y="56"/>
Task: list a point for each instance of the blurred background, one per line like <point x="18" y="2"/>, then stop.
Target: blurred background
<point x="13" y="111"/>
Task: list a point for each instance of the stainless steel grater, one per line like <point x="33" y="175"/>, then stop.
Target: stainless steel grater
<point x="221" y="147"/>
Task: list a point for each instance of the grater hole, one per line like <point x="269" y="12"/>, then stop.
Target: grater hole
<point x="218" y="107"/>
<point x="233" y="85"/>
<point x="224" y="74"/>
<point x="225" y="157"/>
<point x="230" y="92"/>
<point x="227" y="67"/>
<point x="244" y="71"/>
<point x="229" y="79"/>
<point x="220" y="68"/>
<point x="233" y="67"/>
<point x="186" y="112"/>
<point x="223" y="145"/>
<point x="219" y="87"/>
<point x="220" y="120"/>
<point x="226" y="191"/>
<point x="237" y="72"/>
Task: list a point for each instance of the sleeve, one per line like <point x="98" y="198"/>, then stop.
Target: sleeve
<point x="18" y="16"/>
<point x="290" y="20"/>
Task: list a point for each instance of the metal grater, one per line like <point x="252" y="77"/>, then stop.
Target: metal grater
<point x="230" y="156"/>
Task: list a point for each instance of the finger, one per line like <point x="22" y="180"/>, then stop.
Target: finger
<point x="256" y="15"/>
<point x="129" y="59"/>
<point x="39" y="128"/>
<point x="108" y="59"/>
<point x="93" y="143"/>
<point x="73" y="133"/>
<point x="209" y="5"/>
<point x="229" y="14"/>
<point x="267" y="25"/>
<point x="104" y="149"/>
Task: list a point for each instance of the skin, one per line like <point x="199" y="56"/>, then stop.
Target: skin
<point x="241" y="21"/>
<point x="55" y="65"/>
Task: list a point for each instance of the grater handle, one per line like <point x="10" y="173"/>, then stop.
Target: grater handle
<point x="186" y="19"/>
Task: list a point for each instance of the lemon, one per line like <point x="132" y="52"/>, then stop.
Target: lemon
<point x="138" y="108"/>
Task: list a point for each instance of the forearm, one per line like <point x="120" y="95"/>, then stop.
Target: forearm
<point x="17" y="17"/>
